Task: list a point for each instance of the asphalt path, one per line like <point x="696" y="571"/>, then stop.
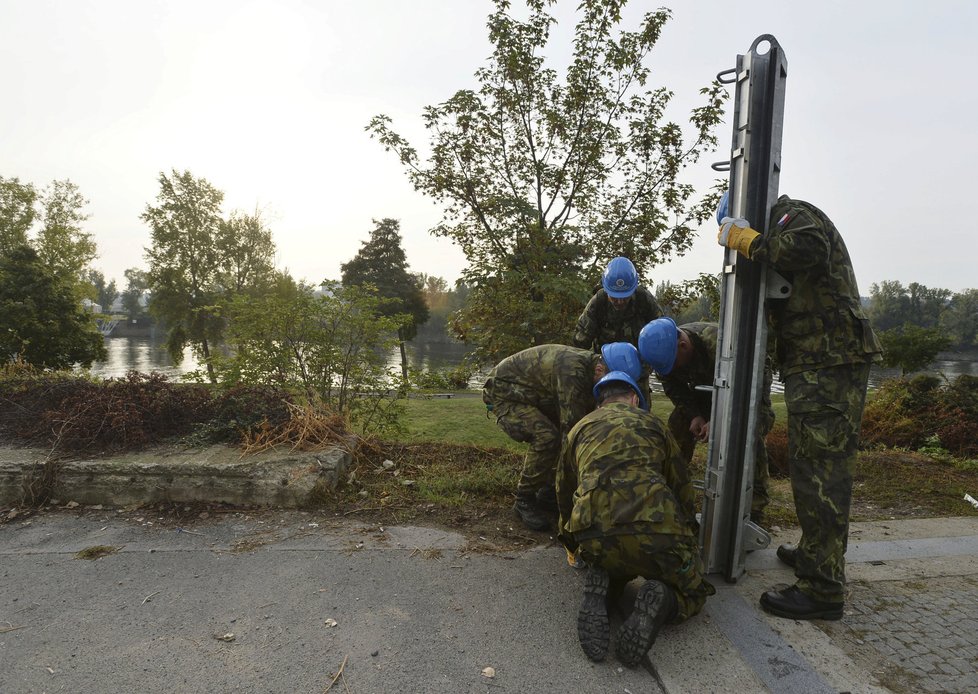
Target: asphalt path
<point x="286" y="602"/>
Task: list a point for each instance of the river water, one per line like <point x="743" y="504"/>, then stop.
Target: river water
<point x="145" y="355"/>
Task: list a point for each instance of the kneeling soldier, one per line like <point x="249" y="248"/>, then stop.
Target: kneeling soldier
<point x="627" y="502"/>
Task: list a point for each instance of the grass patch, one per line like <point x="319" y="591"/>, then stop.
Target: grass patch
<point x="96" y="552"/>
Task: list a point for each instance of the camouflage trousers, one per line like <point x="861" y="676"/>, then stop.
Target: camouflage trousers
<point x="825" y="408"/>
<point x="673" y="559"/>
<point x="760" y="497"/>
<point x="527" y="424"/>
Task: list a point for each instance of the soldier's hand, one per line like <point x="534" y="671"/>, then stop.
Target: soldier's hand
<point x="736" y="234"/>
<point x="699" y="428"/>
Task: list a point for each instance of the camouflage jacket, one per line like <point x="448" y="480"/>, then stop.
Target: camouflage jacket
<point x="680" y="384"/>
<point x="822" y="323"/>
<point x="601" y="323"/>
<point x="621" y="472"/>
<point x="556" y="379"/>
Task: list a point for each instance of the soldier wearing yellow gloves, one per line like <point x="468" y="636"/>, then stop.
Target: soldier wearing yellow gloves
<point x="825" y="346"/>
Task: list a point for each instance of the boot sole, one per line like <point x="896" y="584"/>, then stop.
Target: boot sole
<point x="593" y="626"/>
<point x="826" y="614"/>
<point x="639" y="631"/>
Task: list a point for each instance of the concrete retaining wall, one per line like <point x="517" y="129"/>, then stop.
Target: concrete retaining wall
<point x="280" y="478"/>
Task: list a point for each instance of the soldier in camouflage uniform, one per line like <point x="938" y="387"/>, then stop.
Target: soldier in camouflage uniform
<point x="825" y="347"/>
<point x="617" y="311"/>
<point x="628" y="505"/>
<point x="694" y="364"/>
<point x="537" y="395"/>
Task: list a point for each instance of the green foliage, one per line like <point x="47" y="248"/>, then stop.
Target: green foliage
<point x="333" y="347"/>
<point x="690" y="301"/>
<point x="441" y="379"/>
<point x="960" y="320"/>
<point x="137" y="282"/>
<point x="199" y="261"/>
<point x="894" y="305"/>
<point x="925" y="413"/>
<point x="911" y="348"/>
<point x="17" y="213"/>
<point x="41" y="321"/>
<point x="61" y="242"/>
<point x="382" y="263"/>
<point x="104" y="293"/>
<point x="543" y="179"/>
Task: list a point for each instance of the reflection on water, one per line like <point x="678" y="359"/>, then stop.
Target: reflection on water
<point x="140" y="354"/>
<point x="145" y="355"/>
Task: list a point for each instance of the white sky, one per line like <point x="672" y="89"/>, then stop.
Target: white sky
<point x="268" y="99"/>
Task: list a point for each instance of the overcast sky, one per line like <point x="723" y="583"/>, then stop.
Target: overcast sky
<point x="268" y="99"/>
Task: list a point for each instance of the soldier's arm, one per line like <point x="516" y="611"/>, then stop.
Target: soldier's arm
<point x="587" y="325"/>
<point x="680" y="394"/>
<point x="652" y="308"/>
<point x="676" y="474"/>
<point x="566" y="484"/>
<point x="796" y="242"/>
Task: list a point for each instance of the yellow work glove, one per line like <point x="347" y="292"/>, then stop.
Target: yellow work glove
<point x="736" y="234"/>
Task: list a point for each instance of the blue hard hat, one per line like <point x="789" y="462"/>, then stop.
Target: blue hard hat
<point x="723" y="209"/>
<point x="620" y="278"/>
<point x="657" y="344"/>
<point x="622" y="356"/>
<point x="624" y="378"/>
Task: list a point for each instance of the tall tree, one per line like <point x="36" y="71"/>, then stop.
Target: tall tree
<point x="910" y="347"/>
<point x="246" y="251"/>
<point x="382" y="263"/>
<point x="17" y="212"/>
<point x="544" y="179"/>
<point x="960" y="320"/>
<point x="61" y="243"/>
<point x="185" y="262"/>
<point x="43" y="322"/>
<point x="105" y="292"/>
<point x="137" y="282"/>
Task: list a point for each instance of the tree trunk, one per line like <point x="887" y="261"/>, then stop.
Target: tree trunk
<point x="404" y="362"/>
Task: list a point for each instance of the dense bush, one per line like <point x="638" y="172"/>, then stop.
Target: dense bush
<point x="73" y="414"/>
<point x="925" y="411"/>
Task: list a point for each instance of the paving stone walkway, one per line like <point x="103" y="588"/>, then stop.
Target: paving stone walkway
<point x="922" y="633"/>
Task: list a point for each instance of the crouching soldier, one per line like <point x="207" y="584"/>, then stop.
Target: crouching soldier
<point x="537" y="395"/>
<point x="627" y="503"/>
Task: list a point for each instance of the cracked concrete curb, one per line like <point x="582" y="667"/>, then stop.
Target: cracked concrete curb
<point x="278" y="477"/>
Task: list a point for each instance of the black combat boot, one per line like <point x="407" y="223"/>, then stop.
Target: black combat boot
<point x="530" y="513"/>
<point x="655" y="604"/>
<point x="593" y="627"/>
<point x="547" y="499"/>
<point x="791" y="603"/>
<point x="788" y="554"/>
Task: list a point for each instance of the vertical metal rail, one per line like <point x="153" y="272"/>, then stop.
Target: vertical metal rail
<point x="726" y="532"/>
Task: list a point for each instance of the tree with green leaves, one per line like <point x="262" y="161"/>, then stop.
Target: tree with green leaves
<point x="62" y="244"/>
<point x="17" y="213"/>
<point x="246" y="252"/>
<point x="137" y="282"/>
<point x="198" y="261"/>
<point x="105" y="293"/>
<point x="910" y="347"/>
<point x="184" y="263"/>
<point x="893" y="305"/>
<point x="42" y="321"/>
<point x="382" y="264"/>
<point x="544" y="178"/>
<point x="332" y="346"/>
<point x="960" y="320"/>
